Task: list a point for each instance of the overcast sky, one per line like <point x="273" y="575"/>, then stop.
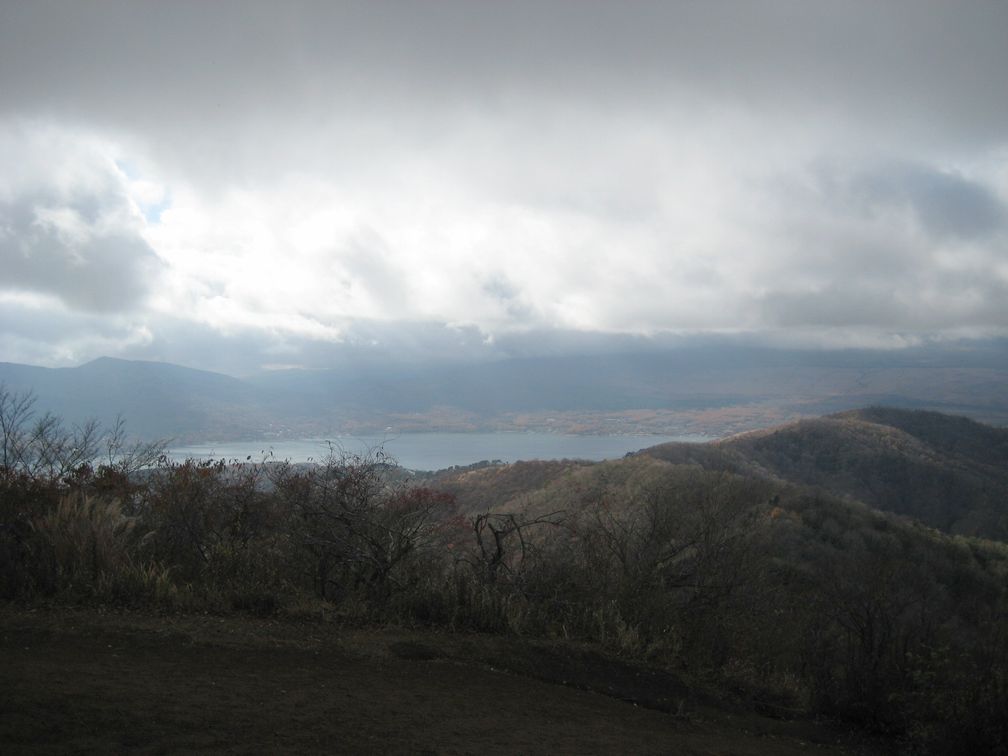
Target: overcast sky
<point x="230" y="185"/>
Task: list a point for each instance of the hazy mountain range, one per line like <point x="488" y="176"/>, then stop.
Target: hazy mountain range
<point x="709" y="391"/>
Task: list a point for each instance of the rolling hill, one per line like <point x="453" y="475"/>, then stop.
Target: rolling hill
<point x="948" y="472"/>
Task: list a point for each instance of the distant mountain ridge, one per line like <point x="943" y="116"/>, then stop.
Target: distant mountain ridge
<point x="666" y="392"/>
<point x="155" y="399"/>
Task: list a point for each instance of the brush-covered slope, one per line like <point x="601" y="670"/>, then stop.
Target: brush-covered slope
<point x="479" y="488"/>
<point x="948" y="472"/>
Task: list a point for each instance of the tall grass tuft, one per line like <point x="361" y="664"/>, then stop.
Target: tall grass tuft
<point x="80" y="543"/>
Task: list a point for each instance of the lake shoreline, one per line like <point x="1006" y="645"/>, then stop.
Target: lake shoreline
<point x="436" y="451"/>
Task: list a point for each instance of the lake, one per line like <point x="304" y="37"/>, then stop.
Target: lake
<point x="435" y="451"/>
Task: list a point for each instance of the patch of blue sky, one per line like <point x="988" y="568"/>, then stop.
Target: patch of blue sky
<point x="128" y="169"/>
<point x="151" y="210"/>
<point x="152" y="213"/>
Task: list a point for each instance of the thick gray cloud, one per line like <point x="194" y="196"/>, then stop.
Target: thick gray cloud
<point x="257" y="183"/>
<point x="913" y="57"/>
<point x="57" y="246"/>
<point x="69" y="228"/>
<point x="884" y="245"/>
<point x="944" y="203"/>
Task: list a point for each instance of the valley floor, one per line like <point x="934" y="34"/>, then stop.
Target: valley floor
<point x="83" y="681"/>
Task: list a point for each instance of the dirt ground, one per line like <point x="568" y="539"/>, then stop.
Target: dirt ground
<point x="75" y="681"/>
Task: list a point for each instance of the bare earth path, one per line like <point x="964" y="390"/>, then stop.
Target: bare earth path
<point x="79" y="681"/>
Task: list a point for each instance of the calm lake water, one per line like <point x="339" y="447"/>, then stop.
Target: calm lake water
<point x="435" y="451"/>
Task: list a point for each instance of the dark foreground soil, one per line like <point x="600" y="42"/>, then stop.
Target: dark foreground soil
<point x="82" y="681"/>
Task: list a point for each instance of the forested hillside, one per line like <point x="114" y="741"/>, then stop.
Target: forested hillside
<point x="779" y="545"/>
<point x="948" y="472"/>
